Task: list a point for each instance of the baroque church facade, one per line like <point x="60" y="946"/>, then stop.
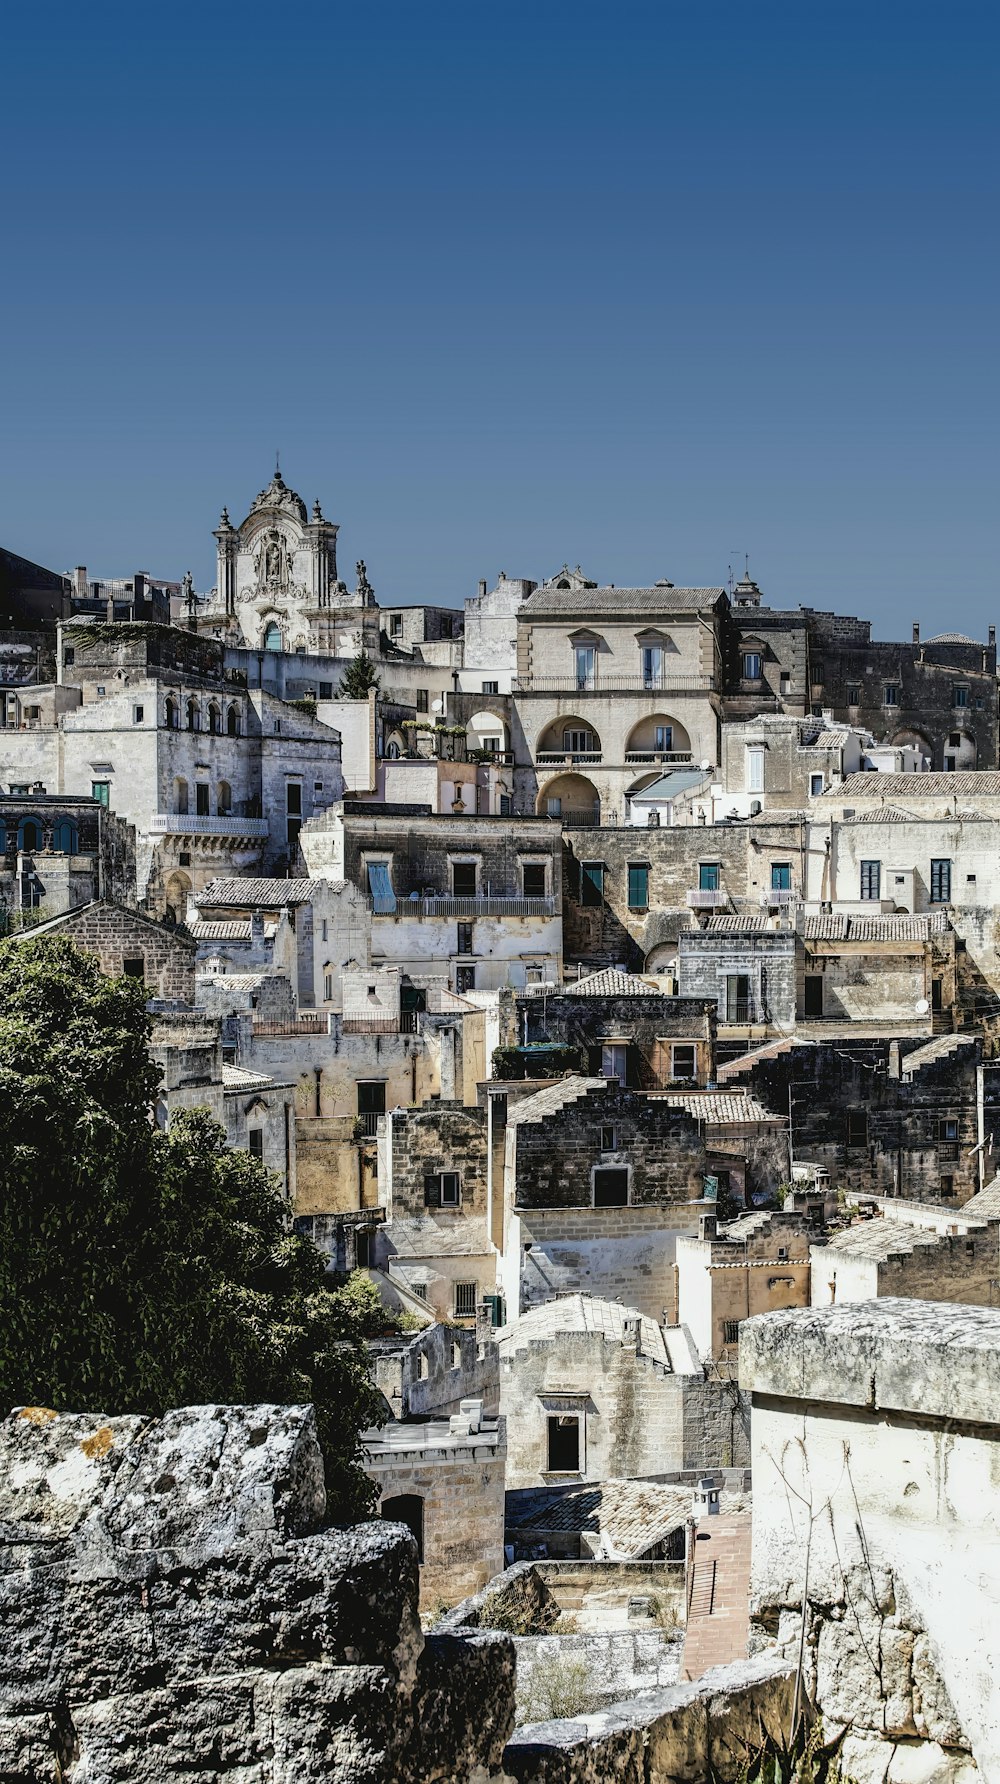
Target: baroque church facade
<point x="278" y="587"/>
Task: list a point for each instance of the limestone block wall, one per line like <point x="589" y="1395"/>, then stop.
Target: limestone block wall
<point x="876" y="1449"/>
<point x="460" y="1485"/>
<point x="116" y="935"/>
<point x="600" y="1251"/>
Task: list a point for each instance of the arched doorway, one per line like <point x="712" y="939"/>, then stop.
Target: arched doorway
<point x="408" y="1509"/>
<point x="177" y="892"/>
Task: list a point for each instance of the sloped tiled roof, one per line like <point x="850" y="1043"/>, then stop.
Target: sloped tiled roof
<point x="719" y="1106"/>
<point x="609" y="982"/>
<point x="616" y="601"/>
<point x="882" y="814"/>
<point x="899" y="927"/>
<point x="555" y="1097"/>
<point x="237" y="929"/>
<point x="582" y="1313"/>
<point x="736" y="925"/>
<point x="630" y="1515"/>
<point x="235" y="1080"/>
<point x="985" y="1205"/>
<point x="256" y="894"/>
<point x="975" y="781"/>
<point x="883" y="1239"/>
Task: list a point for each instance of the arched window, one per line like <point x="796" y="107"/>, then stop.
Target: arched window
<point x="193" y="716"/>
<point x="214" y="719"/>
<point x="272" y="636"/>
<point x="181" y="796"/>
<point x="233" y="722"/>
<point x="64" y="837"/>
<point x="224" y="802"/>
<point x="170" y="711"/>
<point x="29" y="835"/>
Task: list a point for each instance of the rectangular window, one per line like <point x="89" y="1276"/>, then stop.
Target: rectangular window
<point x="201" y="804"/>
<point x="610" y="1189"/>
<point x="752" y="665"/>
<point x="579" y="743"/>
<point x="683" y="1062"/>
<point x="960" y="697"/>
<point x="506" y="805"/>
<point x="442" y="1189"/>
<point x="785" y="682"/>
<point x="293" y="799"/>
<point x="663" y="737"/>
<point x="465" y="978"/>
<point x="652" y="665"/>
<point x="890" y="694"/>
<point x="465" y="1299"/>
<point x="137" y="714"/>
<point x="813" y="996"/>
<point x="255" y="1142"/>
<point x="134" y="969"/>
<point x="586" y="658"/>
<point x="853" y="694"/>
<point x="327" y="987"/>
<point x="395" y="625"/>
<point x="463" y="879"/>
<point x="533" y="879"/>
<point x="326" y="690"/>
<point x="371" y="1104"/>
<point x="592" y="882"/>
<point x="423" y="700"/>
<point x="815" y="785"/>
<point x="609" y="1139"/>
<point x="491" y="687"/>
<point x="709" y="876"/>
<point x="755" y="769"/>
<point x="940" y="882"/>
<point x="818" y="675"/>
<point x="638" y="886"/>
<point x="871" y="879"/>
<point x="738" y="1008"/>
<point x="614" y="1057"/>
<point x="857" y="1127"/>
<point x="947" y="1185"/>
<point x="69" y="657"/>
<point x="948" y="1139"/>
<point x="99" y="790"/>
<point x="781" y="876"/>
<point x="380" y="887"/>
<point x="730" y="1331"/>
<point x="564" y="1444"/>
<point x="465" y="938"/>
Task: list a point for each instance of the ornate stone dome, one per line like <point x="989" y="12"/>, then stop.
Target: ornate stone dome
<point x="277" y="497"/>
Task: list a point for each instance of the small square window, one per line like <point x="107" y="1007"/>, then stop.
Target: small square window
<point x="730" y="1331"/>
<point x="134" y="968"/>
<point x="609" y="1139"/>
<point x="326" y="690"/>
<point x="610" y="1189"/>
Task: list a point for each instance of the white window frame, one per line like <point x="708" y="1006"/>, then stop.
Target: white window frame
<point x="755" y="767"/>
<point x="692" y="1048"/>
<point x="609" y="1051"/>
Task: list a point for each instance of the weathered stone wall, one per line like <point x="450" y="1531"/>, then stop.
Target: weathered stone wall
<point x="170" y="1601"/>
<point x="115" y="935"/>
<point x="599" y="1251"/>
<point x="876" y="1446"/>
<point x="440" y="1137"/>
<point x="661" y="1146"/>
<point x="650" y="1023"/>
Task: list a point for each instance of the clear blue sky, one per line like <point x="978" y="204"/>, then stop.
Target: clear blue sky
<point x="643" y="286"/>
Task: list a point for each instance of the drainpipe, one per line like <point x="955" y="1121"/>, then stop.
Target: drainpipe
<point x="318" y="1075"/>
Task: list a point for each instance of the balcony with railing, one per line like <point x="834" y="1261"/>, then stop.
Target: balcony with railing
<point x="188" y="824"/>
<point x="779" y="898"/>
<point x="404" y="1023"/>
<point x="567" y="758"/>
<point x="668" y="682"/>
<point x="656" y="758"/>
<point x="465" y="909"/>
<point x="708" y="898"/>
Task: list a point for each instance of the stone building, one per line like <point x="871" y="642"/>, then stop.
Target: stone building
<point x="477" y="897"/>
<point x="598" y="1181"/>
<point x="593" y="1390"/>
<point x="902" y="1117"/>
<point x="58" y="853"/>
<point x="730" y="1273"/>
<point x="923" y="1254"/>
<point x="329" y="920"/>
<point x="433" y="1184"/>
<point x="612" y="1025"/>
<point x="128" y="942"/>
<point x="439" y="1461"/>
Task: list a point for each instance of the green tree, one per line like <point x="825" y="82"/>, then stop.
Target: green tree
<point x="358" y="678"/>
<point x="141" y="1270"/>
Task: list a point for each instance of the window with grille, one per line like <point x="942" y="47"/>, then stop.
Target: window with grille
<point x="890" y="694"/>
<point x="730" y="1331"/>
<point x="465" y="1300"/>
<point x="465" y="938"/>
<point x="871" y="879"/>
<point x="940" y="882"/>
<point x="960" y="697"/>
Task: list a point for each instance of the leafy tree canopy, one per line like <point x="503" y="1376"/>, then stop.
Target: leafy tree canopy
<point x="141" y="1270"/>
<point x="358" y="678"/>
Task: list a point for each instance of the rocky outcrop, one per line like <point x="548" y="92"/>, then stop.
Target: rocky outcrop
<point x="170" y="1602"/>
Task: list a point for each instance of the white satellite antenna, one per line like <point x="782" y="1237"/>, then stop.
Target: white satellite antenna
<point x="922" y="1006"/>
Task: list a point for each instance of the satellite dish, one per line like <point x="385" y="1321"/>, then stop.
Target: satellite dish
<point x="705" y="766"/>
<point x="922" y="1006"/>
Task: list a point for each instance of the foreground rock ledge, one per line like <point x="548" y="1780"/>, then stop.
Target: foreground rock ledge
<point x="171" y="1602"/>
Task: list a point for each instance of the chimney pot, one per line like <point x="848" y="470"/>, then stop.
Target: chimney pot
<point x="916" y="632"/>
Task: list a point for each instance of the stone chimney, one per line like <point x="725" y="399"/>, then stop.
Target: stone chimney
<point x="708" y="1226"/>
<point x="257" y="929"/>
<point x="916" y="632"/>
<point x="482" y="587"/>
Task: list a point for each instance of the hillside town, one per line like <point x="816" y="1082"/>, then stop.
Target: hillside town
<point x="596" y="969"/>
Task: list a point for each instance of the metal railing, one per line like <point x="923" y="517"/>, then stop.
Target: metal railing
<point x="583" y="818"/>
<point x="739" y="1010"/>
<point x="372" y="1025"/>
<point x="551" y="758"/>
<point x="654" y="756"/>
<point x="186" y="824"/>
<point x="705" y="898"/>
<point x="779" y="896"/>
<point x="298" y="1025"/>
<point x="367" y="1124"/>
<point x="666" y="683"/>
<point x="468" y="908"/>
